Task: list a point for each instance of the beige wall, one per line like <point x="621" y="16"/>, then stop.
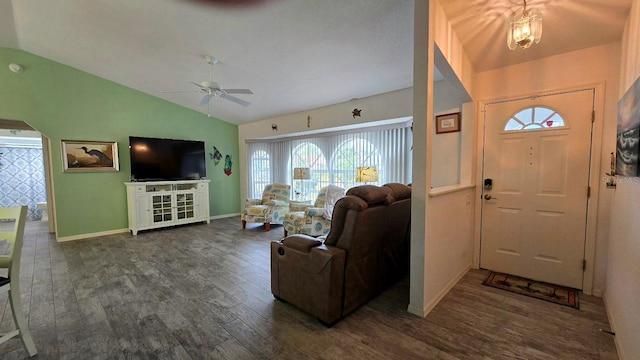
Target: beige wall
<point x="441" y="245"/>
<point x="622" y="291"/>
<point x="451" y="48"/>
<point x="598" y="67"/>
<point x="446" y="146"/>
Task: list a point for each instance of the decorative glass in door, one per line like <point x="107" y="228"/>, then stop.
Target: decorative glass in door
<point x="161" y="205"/>
<point x="185" y="206"/>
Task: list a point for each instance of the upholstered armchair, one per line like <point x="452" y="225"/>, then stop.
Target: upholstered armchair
<point x="271" y="209"/>
<point x="314" y="220"/>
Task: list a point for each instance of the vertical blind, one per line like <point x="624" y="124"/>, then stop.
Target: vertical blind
<point x="331" y="158"/>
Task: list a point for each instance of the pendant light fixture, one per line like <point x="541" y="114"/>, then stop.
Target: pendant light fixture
<point x="525" y="28"/>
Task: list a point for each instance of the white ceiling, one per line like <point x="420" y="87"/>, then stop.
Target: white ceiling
<point x="293" y="54"/>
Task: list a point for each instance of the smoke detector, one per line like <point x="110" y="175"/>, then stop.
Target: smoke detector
<point x="15" y="68"/>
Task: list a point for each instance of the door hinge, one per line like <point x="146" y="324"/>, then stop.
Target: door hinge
<point x="584" y="264"/>
<point x="593" y="115"/>
<point x="588" y="191"/>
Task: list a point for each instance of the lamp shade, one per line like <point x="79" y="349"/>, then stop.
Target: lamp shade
<point x="367" y="174"/>
<point x="301" y="173"/>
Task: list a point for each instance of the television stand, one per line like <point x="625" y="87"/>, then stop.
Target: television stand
<point x="157" y="204"/>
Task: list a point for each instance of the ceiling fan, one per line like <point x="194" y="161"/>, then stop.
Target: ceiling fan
<point x="212" y="89"/>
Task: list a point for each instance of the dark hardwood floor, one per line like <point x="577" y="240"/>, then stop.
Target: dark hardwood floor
<point x="203" y="292"/>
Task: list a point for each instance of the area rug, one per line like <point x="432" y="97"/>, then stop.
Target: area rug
<point x="539" y="290"/>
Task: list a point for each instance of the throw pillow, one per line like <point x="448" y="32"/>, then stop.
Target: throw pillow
<point x="334" y="193"/>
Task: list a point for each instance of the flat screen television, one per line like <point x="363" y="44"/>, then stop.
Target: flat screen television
<point x="155" y="159"/>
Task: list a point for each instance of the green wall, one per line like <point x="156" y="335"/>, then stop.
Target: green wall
<point x="65" y="103"/>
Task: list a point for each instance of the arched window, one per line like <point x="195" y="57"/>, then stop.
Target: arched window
<point x="308" y="155"/>
<point x="535" y="118"/>
<point x="261" y="171"/>
<point x="350" y="155"/>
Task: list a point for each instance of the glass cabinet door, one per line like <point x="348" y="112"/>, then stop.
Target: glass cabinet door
<point x="161" y="205"/>
<point x="185" y="206"/>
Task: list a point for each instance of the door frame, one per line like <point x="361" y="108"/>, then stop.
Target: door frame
<point x="48" y="171"/>
<point x="48" y="177"/>
<point x="594" y="174"/>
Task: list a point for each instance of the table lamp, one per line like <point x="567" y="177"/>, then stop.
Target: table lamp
<point x="301" y="173"/>
<point x="367" y="174"/>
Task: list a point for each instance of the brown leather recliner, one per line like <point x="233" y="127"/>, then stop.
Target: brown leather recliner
<point x="366" y="251"/>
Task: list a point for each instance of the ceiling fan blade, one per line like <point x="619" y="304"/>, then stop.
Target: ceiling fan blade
<point x="205" y="100"/>
<point x="236" y="100"/>
<point x="197" y="84"/>
<point x="179" y="91"/>
<point x="239" y="91"/>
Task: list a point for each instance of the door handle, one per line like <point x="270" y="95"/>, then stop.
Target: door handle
<point x="489" y="197"/>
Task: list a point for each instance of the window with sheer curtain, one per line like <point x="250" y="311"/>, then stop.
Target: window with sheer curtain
<point x="308" y="155"/>
<point x="260" y="171"/>
<point x="348" y="156"/>
<point x="332" y="158"/>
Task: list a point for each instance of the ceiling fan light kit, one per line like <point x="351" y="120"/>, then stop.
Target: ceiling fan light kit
<point x="525" y="28"/>
<point x="213" y="89"/>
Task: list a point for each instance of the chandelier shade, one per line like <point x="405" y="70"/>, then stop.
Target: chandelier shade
<point x="525" y="28"/>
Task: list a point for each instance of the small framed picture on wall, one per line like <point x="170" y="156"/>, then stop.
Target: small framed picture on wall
<point x="447" y="123"/>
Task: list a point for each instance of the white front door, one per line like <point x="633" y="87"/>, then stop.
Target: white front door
<point x="536" y="177"/>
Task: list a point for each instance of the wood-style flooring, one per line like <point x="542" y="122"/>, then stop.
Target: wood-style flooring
<point x="202" y="292"/>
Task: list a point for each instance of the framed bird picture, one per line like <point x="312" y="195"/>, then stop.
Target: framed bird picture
<point x="90" y="156"/>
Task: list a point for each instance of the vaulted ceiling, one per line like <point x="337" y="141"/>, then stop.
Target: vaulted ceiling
<point x="568" y="25"/>
<point x="293" y="54"/>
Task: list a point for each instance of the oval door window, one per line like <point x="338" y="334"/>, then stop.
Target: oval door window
<point x="535" y="118"/>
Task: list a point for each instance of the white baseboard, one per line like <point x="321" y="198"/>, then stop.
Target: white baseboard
<point x="596" y="292"/>
<point x="423" y="312"/>
<point x="224" y="216"/>
<point x="612" y="323"/>
<point x="91" y="235"/>
<point x="416" y="310"/>
<point x="120" y="231"/>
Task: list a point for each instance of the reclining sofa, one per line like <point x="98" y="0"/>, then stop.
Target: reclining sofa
<point x="366" y="251"/>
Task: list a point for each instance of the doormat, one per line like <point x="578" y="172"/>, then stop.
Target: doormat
<point x="539" y="290"/>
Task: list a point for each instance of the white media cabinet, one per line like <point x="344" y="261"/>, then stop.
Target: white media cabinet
<point x="156" y="204"/>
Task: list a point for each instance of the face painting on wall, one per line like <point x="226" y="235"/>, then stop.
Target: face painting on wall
<point x="627" y="164"/>
<point x="628" y="135"/>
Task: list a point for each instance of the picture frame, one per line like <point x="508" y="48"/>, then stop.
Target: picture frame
<point x="447" y="123"/>
<point x="90" y="156"/>
<point x="628" y="133"/>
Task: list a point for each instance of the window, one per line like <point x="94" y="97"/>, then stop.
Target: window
<point x="308" y="155"/>
<point x="332" y="158"/>
<point x="261" y="171"/>
<point x="535" y="118"/>
<point x="348" y="156"/>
